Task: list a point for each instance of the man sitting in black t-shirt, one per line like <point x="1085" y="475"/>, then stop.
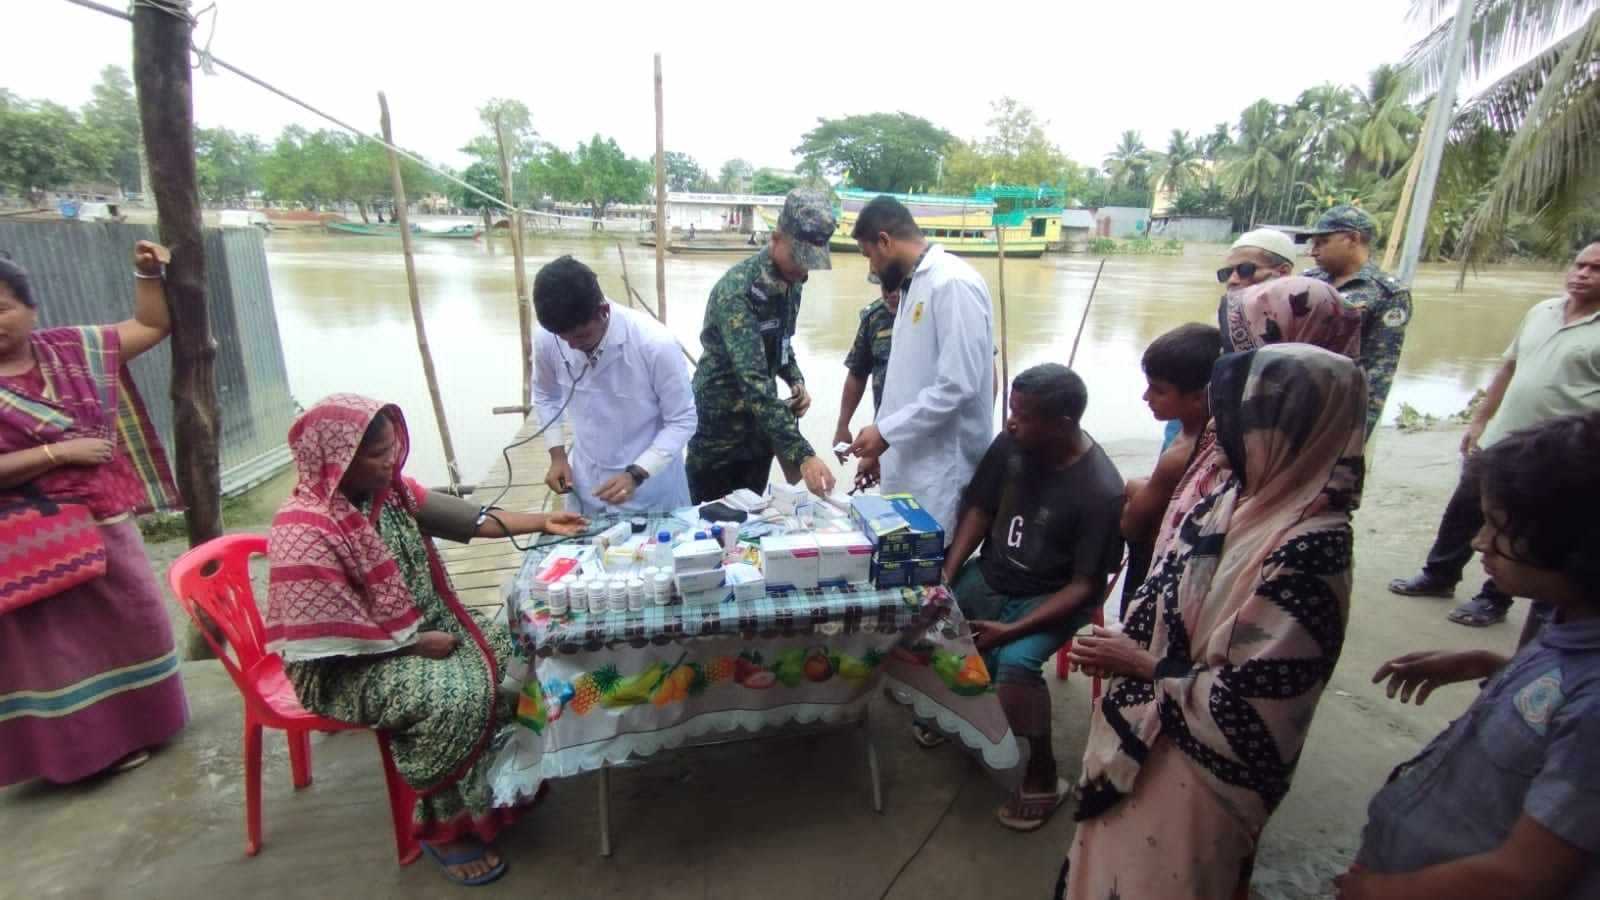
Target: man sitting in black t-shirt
<point x="1045" y="504"/>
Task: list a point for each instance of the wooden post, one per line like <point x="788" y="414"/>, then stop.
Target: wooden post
<point x="162" y="76"/>
<point x="524" y="314"/>
<point x="1005" y="353"/>
<point x="404" y="218"/>
<point x="661" y="203"/>
<point x="1392" y="252"/>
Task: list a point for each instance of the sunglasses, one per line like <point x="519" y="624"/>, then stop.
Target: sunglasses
<point x="1246" y="270"/>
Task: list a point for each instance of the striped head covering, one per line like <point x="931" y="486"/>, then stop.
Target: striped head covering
<point x="334" y="589"/>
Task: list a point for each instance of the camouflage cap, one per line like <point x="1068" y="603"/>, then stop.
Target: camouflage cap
<point x="1345" y="218"/>
<point x="808" y="218"/>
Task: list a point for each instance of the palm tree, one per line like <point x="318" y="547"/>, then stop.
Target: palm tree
<point x="1219" y="140"/>
<point x="1252" y="164"/>
<point x="1549" y="105"/>
<point x="1319" y="131"/>
<point x="1130" y="162"/>
<point x="1386" y="124"/>
<point x="1181" y="164"/>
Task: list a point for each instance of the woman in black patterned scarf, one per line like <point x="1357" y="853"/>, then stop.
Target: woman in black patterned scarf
<point x="1229" y="643"/>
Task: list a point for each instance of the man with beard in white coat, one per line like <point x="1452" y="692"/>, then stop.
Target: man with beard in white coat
<point x="630" y="407"/>
<point x="937" y="415"/>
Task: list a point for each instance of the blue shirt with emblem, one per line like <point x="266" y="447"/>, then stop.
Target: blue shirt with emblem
<point x="1529" y="745"/>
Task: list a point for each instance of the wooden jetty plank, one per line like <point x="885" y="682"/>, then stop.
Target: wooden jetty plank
<point x="479" y="569"/>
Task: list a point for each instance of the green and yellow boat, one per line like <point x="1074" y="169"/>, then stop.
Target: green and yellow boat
<point x="1030" y="219"/>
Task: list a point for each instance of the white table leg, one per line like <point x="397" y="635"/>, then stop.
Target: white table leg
<point x="605" y="810"/>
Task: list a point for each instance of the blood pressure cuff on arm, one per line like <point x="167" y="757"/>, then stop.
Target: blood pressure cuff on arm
<point x="451" y="518"/>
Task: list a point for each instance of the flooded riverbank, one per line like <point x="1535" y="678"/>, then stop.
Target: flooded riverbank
<point x="346" y="325"/>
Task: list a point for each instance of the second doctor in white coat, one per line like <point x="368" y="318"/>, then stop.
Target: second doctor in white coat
<point x="631" y="410"/>
<point x="937" y="415"/>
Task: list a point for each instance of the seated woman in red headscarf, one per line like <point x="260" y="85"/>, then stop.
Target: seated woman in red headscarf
<point x="371" y="632"/>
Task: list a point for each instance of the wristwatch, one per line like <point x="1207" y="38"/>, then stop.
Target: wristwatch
<point x="638" y="473"/>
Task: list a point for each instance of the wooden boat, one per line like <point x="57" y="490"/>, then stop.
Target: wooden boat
<point x="363" y="229"/>
<point x="708" y="243"/>
<point x="966" y="226"/>
<point x="465" y="232"/>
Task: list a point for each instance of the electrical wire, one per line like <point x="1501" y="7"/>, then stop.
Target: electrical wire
<point x="505" y="453"/>
<point x="925" y="839"/>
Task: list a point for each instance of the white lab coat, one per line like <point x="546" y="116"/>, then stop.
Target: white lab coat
<point x="633" y="407"/>
<point x="938" y="393"/>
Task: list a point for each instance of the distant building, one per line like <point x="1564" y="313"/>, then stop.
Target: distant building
<point x="1121" y="221"/>
<point x="1077" y="225"/>
<point x="743" y="213"/>
<point x="90" y="191"/>
<point x="1200" y="229"/>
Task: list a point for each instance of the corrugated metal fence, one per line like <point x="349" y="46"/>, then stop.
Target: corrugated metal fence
<point x="82" y="274"/>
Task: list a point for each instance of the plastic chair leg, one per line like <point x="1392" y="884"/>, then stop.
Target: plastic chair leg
<point x="252" y="787"/>
<point x="401" y="800"/>
<point x="300" y="758"/>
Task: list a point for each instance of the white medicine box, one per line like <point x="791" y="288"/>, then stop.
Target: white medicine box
<point x="843" y="558"/>
<point x="790" y="562"/>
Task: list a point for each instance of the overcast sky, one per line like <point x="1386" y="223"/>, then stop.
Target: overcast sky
<point x="742" y="79"/>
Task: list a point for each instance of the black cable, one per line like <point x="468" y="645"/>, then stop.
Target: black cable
<point x="925" y="839"/>
<point x="505" y="452"/>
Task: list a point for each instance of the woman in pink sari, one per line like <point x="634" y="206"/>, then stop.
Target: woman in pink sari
<point x="88" y="676"/>
<point x="1292" y="310"/>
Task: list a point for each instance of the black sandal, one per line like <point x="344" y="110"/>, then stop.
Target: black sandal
<point x="1479" y="612"/>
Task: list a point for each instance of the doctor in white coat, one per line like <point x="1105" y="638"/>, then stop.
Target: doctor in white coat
<point x="937" y="415"/>
<point x="612" y="388"/>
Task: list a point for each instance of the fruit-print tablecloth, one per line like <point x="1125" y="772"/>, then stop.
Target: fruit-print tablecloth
<point x="601" y="689"/>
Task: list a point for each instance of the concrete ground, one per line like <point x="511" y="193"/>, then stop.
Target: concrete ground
<point x="776" y="819"/>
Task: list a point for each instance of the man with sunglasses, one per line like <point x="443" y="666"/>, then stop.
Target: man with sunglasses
<point x="747" y="338"/>
<point x="1257" y="256"/>
<point x="1341" y="243"/>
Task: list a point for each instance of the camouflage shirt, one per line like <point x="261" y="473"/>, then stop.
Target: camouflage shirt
<point x="747" y="341"/>
<point x="1385" y="313"/>
<point x="870" y="352"/>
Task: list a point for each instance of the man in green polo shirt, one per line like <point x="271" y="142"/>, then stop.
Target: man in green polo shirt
<point x="1551" y="369"/>
<point x="1342" y="244"/>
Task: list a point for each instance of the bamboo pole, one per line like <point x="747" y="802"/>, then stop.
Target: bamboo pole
<point x="633" y="297"/>
<point x="1073" y="356"/>
<point x="166" y="118"/>
<point x="428" y="372"/>
<point x="1404" y="210"/>
<point x="524" y="315"/>
<point x="1005" y="352"/>
<point x="1433" y="143"/>
<point x="661" y="202"/>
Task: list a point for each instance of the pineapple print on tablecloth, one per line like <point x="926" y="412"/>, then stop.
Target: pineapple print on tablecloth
<point x="590" y="687"/>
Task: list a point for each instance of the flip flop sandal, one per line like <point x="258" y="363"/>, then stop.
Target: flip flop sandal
<point x="926" y="737"/>
<point x="1477" y="613"/>
<point x="461" y="859"/>
<point x="130" y="762"/>
<point x="1028" y="812"/>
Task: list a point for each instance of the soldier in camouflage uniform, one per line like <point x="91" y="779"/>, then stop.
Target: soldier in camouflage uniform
<point x="747" y="342"/>
<point x="869" y="355"/>
<point x="1341" y="243"/>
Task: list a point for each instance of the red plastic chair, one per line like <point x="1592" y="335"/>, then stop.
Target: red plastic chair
<point x="212" y="582"/>
<point x="1063" y="668"/>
